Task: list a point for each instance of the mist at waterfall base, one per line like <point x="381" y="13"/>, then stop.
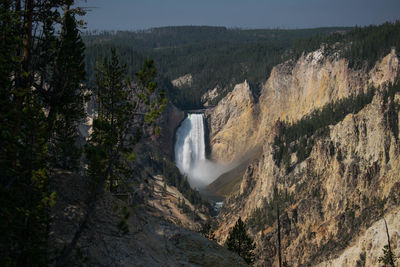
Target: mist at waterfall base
<point x="190" y="153"/>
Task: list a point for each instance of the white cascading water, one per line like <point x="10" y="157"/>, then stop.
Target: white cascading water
<point x="190" y="153"/>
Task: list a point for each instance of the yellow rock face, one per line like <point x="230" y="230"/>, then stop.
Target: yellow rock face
<point x="237" y="124"/>
<point x="349" y="181"/>
<point x="314" y="81"/>
<point x="232" y="124"/>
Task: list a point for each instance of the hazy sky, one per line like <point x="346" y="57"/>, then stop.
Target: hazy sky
<point x="142" y="14"/>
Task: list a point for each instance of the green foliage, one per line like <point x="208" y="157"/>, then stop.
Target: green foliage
<point x="362" y="46"/>
<point x="388" y="258"/>
<point x="11" y="30"/>
<point x="222" y="57"/>
<point x="183" y="206"/>
<point x="240" y="242"/>
<point x="392" y="107"/>
<point x="187" y="36"/>
<point x="150" y="161"/>
<point x="175" y="178"/>
<point x="154" y="162"/>
<point x="122" y="109"/>
<point x="24" y="195"/>
<point x="124" y="113"/>
<point x="371" y="43"/>
<point x="42" y="103"/>
<point x="300" y="136"/>
<point x="65" y="97"/>
<point x="146" y="88"/>
<point x="207" y="231"/>
<point x="25" y="127"/>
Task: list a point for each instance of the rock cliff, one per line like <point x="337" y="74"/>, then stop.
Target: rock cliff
<point x="331" y="205"/>
<point x="185" y="80"/>
<point x="232" y="124"/>
<point x="367" y="248"/>
<point x="208" y="97"/>
<point x="168" y="122"/>
<point x="293" y="90"/>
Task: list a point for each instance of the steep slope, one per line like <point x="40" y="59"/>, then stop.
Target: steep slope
<point x="296" y="88"/>
<point x="151" y="218"/>
<point x="232" y="123"/>
<point x="350" y="180"/>
<point x="367" y="248"/>
<point x="168" y="122"/>
<point x="293" y="90"/>
<point x="152" y="240"/>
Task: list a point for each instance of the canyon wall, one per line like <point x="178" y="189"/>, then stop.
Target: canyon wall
<point x="336" y="198"/>
<point x="293" y="89"/>
<point x="232" y="124"/>
<point x="169" y="121"/>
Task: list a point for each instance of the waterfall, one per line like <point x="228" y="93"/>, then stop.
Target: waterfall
<point x="189" y="146"/>
<point x="190" y="153"/>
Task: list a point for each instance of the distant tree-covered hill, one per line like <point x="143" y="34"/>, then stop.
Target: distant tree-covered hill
<point x="215" y="56"/>
<point x="218" y="56"/>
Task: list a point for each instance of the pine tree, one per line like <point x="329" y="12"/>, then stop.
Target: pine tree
<point x="388" y="258"/>
<point x="114" y="112"/>
<point x="23" y="151"/>
<point x="240" y="242"/>
<point x="66" y="96"/>
<point x="24" y="158"/>
<point x="124" y="113"/>
<point x="207" y="231"/>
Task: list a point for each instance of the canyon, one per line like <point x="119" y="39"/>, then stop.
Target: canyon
<point x="332" y="204"/>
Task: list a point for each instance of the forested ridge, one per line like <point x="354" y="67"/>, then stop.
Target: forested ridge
<point x="222" y="57"/>
<point x="215" y="56"/>
<point x="206" y="36"/>
<point x="362" y="46"/>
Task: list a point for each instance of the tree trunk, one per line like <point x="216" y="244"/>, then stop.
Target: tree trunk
<point x="26" y="63"/>
<point x="24" y="83"/>
<point x="279" y="236"/>
<point x="390" y="249"/>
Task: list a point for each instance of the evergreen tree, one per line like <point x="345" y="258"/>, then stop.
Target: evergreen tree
<point x="207" y="231"/>
<point x="23" y="172"/>
<point x="124" y="112"/>
<point x="240" y="242"/>
<point x="114" y="114"/>
<point x="24" y="158"/>
<point x="66" y="96"/>
<point x="388" y="258"/>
